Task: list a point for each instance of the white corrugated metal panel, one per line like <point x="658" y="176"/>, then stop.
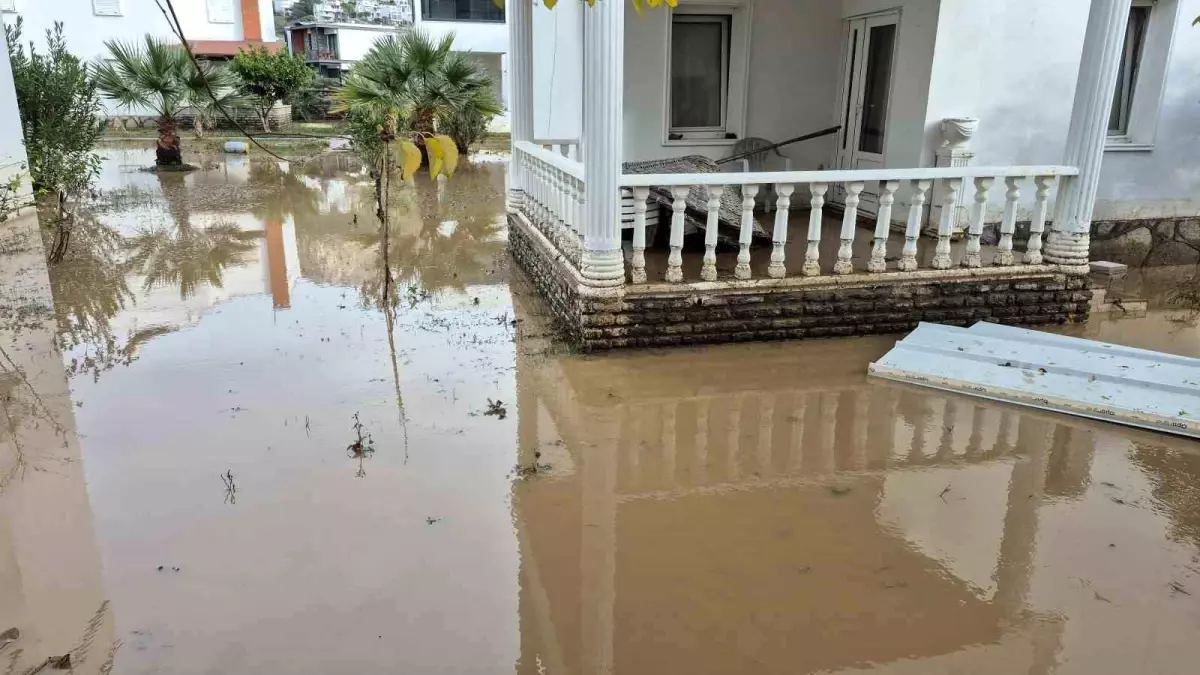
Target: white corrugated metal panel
<point x="1052" y="372"/>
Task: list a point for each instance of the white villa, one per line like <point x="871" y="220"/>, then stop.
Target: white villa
<point x="977" y="141"/>
<point x="216" y="28"/>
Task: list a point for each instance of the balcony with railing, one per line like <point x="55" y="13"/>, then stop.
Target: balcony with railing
<point x="648" y="255"/>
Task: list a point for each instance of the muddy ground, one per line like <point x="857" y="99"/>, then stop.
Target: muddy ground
<point x="221" y="454"/>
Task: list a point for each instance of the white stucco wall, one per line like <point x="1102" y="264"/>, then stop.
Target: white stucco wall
<point x="558" y="71"/>
<point x="1023" y="97"/>
<point x="266" y="11"/>
<point x="472" y="36"/>
<point x="793" y="56"/>
<point x="354" y="43"/>
<point x="796" y="54"/>
<point x="86" y="32"/>
<point x="12" y="146"/>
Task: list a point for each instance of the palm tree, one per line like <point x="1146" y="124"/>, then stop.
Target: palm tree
<point x="414" y="84"/>
<point x="159" y="75"/>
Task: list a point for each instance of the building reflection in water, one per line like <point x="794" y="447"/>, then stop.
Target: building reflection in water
<point x="50" y="576"/>
<point x="770" y="510"/>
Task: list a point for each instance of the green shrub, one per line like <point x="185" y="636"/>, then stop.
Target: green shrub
<point x="60" y="114"/>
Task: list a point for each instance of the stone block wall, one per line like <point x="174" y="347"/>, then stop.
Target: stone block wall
<point x="659" y="316"/>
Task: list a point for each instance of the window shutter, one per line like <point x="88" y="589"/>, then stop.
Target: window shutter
<point x="106" y="7"/>
<point x="220" y="11"/>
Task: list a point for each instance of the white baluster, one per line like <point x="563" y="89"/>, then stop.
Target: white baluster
<point x="709" y="271"/>
<point x="777" y="269"/>
<point x="971" y="258"/>
<point x="941" y="255"/>
<point x="675" y="260"/>
<point x="883" y="225"/>
<point x="916" y="211"/>
<point x="1033" y="250"/>
<point x="845" y="264"/>
<point x="812" y="257"/>
<point x="556" y="196"/>
<point x="1004" y="252"/>
<point x="742" y="271"/>
<point x="638" y="274"/>
<point x="579" y="208"/>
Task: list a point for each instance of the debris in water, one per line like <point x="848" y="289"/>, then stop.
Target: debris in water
<point x="943" y="493"/>
<point x="1101" y="598"/>
<point x="230" y="488"/>
<point x="431" y="520"/>
<point x="160" y="568"/>
<point x="840" y="490"/>
<point x="61" y="662"/>
<point x="496" y="409"/>
<point x="1177" y="587"/>
<point x="362" y="448"/>
<point x="533" y="468"/>
<point x="9" y="636"/>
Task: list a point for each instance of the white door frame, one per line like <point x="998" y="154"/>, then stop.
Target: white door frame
<point x="852" y="88"/>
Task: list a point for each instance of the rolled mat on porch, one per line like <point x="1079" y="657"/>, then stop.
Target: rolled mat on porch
<point x="696" y="214"/>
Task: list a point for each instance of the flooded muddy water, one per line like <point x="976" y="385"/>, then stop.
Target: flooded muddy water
<point x="220" y="454"/>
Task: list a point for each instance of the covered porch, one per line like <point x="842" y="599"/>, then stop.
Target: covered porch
<point x="781" y="227"/>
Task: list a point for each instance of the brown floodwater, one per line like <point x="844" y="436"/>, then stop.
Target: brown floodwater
<point x="220" y="455"/>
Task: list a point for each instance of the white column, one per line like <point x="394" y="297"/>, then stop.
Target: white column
<point x="603" y="84"/>
<point x="520" y="70"/>
<point x="1102" y="46"/>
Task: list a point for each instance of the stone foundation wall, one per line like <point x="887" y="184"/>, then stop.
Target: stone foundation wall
<point x="1147" y="242"/>
<point x="660" y="315"/>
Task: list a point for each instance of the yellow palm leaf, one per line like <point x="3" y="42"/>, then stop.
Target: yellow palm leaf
<point x="498" y="3"/>
<point x="410" y="159"/>
<point x="591" y="3"/>
<point x="637" y="6"/>
<point x="449" y="155"/>
<point x="673" y="3"/>
<point x="549" y="3"/>
<point x="434" y="147"/>
<point x="654" y="3"/>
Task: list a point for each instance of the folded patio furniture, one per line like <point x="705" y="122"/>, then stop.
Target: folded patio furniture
<point x="696" y="214"/>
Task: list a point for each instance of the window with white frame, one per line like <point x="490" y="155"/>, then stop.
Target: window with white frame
<point x="699" y="75"/>
<point x="1141" y="80"/>
<point x="106" y="7"/>
<point x="1131" y="62"/>
<point x="8" y="5"/>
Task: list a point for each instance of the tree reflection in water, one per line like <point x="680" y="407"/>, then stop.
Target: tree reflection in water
<point x="439" y="242"/>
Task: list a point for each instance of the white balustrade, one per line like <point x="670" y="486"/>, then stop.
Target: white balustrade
<point x="883" y="226"/>
<point x="746" y="235"/>
<point x="1033" y="249"/>
<point x="675" y="259"/>
<point x="844" y="264"/>
<point x="708" y="271"/>
<point x="812" y="256"/>
<point x="554" y="193"/>
<point x="975" y="232"/>
<point x="567" y="147"/>
<point x="556" y="188"/>
<point x="1004" y="250"/>
<point x="912" y="230"/>
<point x="941" y="256"/>
<point x="638" y="273"/>
<point x="783" y="202"/>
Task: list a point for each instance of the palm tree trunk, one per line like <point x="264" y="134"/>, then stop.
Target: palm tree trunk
<point x="199" y="125"/>
<point x="168" y="152"/>
<point x="423" y="126"/>
<point x="264" y="116"/>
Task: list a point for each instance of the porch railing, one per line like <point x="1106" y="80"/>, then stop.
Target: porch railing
<point x="567" y="147"/>
<point x="1044" y="179"/>
<point x="553" y="198"/>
